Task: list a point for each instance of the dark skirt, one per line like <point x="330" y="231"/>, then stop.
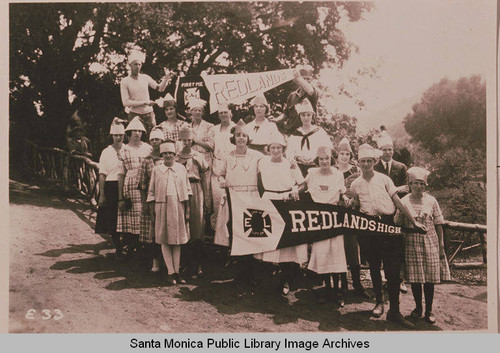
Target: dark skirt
<point x="108" y="214"/>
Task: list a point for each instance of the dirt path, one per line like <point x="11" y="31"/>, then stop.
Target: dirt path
<point x="57" y="262"/>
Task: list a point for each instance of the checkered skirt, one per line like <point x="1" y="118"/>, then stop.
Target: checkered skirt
<point x="422" y="250"/>
<point x="129" y="221"/>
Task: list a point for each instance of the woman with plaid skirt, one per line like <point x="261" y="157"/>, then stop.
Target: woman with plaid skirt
<point x="424" y="253"/>
<point x="147" y="235"/>
<point x="129" y="195"/>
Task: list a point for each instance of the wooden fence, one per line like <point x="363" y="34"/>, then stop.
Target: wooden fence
<point x="75" y="172"/>
<point x="81" y="174"/>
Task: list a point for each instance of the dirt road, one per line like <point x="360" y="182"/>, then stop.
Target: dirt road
<point x="59" y="265"/>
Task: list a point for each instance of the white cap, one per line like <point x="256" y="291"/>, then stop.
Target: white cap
<point x="304" y="107"/>
<point x="117" y="127"/>
<point x="135" y="124"/>
<point x="157" y="134"/>
<point x="384" y="140"/>
<point x="167" y="147"/>
<point x="344" y="145"/>
<point x="367" y="151"/>
<point x="196" y="103"/>
<point x="276" y="138"/>
<point x="136" y="56"/>
<point x="417" y="173"/>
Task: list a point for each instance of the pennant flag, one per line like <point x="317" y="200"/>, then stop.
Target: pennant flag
<point x="189" y="87"/>
<point x="236" y="88"/>
<point x="260" y="225"/>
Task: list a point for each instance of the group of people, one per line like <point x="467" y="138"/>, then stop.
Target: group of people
<point x="157" y="196"/>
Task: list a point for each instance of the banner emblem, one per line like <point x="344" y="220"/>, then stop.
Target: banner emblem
<point x="257" y="224"/>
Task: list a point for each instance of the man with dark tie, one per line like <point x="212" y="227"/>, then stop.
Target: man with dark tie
<point x="397" y="171"/>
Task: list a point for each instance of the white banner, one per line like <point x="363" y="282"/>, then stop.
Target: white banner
<point x="236" y="88"/>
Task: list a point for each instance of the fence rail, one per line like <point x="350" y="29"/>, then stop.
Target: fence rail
<point x="81" y="173"/>
<point x="75" y="172"/>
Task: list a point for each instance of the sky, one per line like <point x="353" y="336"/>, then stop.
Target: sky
<point x="414" y="44"/>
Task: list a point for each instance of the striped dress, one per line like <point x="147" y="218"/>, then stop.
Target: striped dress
<point x="129" y="221"/>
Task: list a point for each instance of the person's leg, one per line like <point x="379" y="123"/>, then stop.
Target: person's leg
<point x="337" y="294"/>
<point x="416" y="290"/>
<point x="392" y="255"/>
<point x="429" y="298"/>
<point x="166" y="250"/>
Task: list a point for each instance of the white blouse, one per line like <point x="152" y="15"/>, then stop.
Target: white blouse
<point x="109" y="164"/>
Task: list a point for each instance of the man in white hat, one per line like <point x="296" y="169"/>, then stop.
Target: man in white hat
<point x="134" y="91"/>
<point x="289" y="120"/>
<point x="375" y="194"/>
<point x="398" y="173"/>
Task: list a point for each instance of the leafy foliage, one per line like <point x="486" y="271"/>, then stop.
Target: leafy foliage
<point x="450" y="114"/>
<point x="449" y="125"/>
<point x="57" y="48"/>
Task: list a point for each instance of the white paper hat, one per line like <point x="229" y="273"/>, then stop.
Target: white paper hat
<point x="167" y="147"/>
<point x="417" y="173"/>
<point x="196" y="103"/>
<point x="344" y="145"/>
<point x="117" y="127"/>
<point x="136" y="56"/>
<point x="384" y="140"/>
<point x="304" y="107"/>
<point x="157" y="134"/>
<point x="277" y="138"/>
<point x="135" y="124"/>
<point x="367" y="151"/>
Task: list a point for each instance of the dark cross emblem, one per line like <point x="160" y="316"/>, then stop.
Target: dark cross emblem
<point x="256" y="224"/>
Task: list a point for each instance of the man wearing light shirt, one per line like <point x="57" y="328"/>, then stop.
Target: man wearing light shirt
<point x="134" y="91"/>
<point x="375" y="194"/>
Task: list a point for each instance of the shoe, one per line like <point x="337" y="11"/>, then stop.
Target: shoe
<point x="362" y="292"/>
<point x="403" y="288"/>
<point x="415" y="315"/>
<point x="156" y="267"/>
<point x="179" y="279"/>
<point x="399" y="319"/>
<point x="340" y="300"/>
<point x="171" y="280"/>
<point x="430" y="318"/>
<point x="378" y="310"/>
<point x="285" y="289"/>
<point x="200" y="272"/>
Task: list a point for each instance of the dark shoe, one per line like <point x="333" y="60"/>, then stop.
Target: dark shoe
<point x="403" y="288"/>
<point x="171" y="280"/>
<point x="285" y="289"/>
<point x="399" y="319"/>
<point x="378" y="310"/>
<point x="430" y="318"/>
<point x="415" y="315"/>
<point x="179" y="279"/>
<point x="340" y="300"/>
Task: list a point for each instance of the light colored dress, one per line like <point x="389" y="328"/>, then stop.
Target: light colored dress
<point x="327" y="256"/>
<point x="306" y="145"/>
<point x="195" y="166"/>
<point x="205" y="130"/>
<point x="222" y="147"/>
<point x="169" y="188"/>
<point x="240" y="172"/>
<point x="422" y="250"/>
<point x="278" y="179"/>
<point x="129" y="221"/>
<point x="260" y="135"/>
